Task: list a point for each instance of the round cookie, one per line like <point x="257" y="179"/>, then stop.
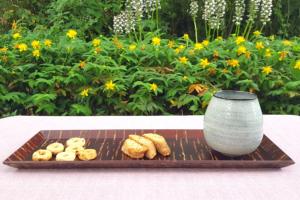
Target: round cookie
<point x="74" y="149"/>
<point x="87" y="154"/>
<point x="41" y="155"/>
<point x="56" y="147"/>
<point x="66" y="156"/>
<point x="75" y="141"/>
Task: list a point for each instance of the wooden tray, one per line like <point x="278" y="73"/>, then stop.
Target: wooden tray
<point x="189" y="150"/>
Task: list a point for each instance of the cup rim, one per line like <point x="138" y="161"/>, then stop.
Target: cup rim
<point x="235" y="95"/>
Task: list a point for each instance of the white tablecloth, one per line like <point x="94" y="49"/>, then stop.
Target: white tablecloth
<point x="140" y="184"/>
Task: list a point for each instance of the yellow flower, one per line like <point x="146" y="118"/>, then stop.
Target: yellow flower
<point x="85" y="92"/>
<point x="14" y="25"/>
<point x="82" y="64"/>
<point x="225" y="71"/>
<point x="233" y="62"/>
<point x="204" y="62"/>
<point x="3" y="49"/>
<point x="36" y="53"/>
<point x="109" y="85"/>
<point x="216" y="54"/>
<point x="212" y="71"/>
<point x="153" y="87"/>
<point x="257" y="33"/>
<point x="297" y="65"/>
<point x="181" y="47"/>
<point x="287" y="43"/>
<point x="96" y="42"/>
<point x="186" y="36"/>
<point x="156" y="41"/>
<point x="171" y="44"/>
<point x="267" y="70"/>
<point x="48" y="43"/>
<point x="117" y="43"/>
<point x="16" y="36"/>
<point x="239" y="40"/>
<point x="282" y="55"/>
<point x="248" y="55"/>
<point x="132" y="47"/>
<point x="97" y="50"/>
<point x="272" y="37"/>
<point x="198" y="46"/>
<point x="241" y="50"/>
<point x="191" y="52"/>
<point x="72" y="33"/>
<point x="4" y="59"/>
<point x="22" y="47"/>
<point x="268" y="53"/>
<point x="183" y="60"/>
<point x="35" y="44"/>
<point x="259" y="45"/>
<point x="205" y="43"/>
<point x="184" y="78"/>
<point x="219" y="38"/>
<point x="143" y="47"/>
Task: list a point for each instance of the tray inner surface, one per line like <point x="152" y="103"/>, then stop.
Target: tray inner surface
<point x="185" y="145"/>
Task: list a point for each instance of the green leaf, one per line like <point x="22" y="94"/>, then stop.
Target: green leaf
<point x="79" y="109"/>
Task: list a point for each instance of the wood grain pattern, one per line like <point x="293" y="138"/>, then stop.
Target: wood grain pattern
<point x="189" y="149"/>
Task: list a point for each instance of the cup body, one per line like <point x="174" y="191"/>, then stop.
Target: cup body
<point x="233" y="123"/>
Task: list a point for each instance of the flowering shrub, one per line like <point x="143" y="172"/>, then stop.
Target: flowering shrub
<point x="65" y="75"/>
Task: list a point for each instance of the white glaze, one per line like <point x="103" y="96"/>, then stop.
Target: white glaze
<point x="233" y="127"/>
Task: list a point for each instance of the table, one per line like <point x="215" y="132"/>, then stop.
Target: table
<point x="140" y="184"/>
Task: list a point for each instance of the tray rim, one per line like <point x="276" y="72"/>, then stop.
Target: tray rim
<point x="10" y="163"/>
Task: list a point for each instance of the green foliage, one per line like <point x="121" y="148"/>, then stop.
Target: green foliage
<point x="94" y="17"/>
<point x="121" y="76"/>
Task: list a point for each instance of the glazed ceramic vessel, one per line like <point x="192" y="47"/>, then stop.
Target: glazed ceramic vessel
<point x="233" y="123"/>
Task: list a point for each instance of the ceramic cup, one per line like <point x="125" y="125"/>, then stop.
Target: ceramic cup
<point x="233" y="123"/>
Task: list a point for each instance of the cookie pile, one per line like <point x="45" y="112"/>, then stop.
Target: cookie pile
<point x="136" y="146"/>
<point x="74" y="147"/>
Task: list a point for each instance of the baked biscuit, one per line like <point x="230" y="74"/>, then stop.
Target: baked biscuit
<point x="74" y="149"/>
<point x="159" y="142"/>
<point x="65" y="156"/>
<point x="41" y="155"/>
<point x="151" y="152"/>
<point x="55" y="147"/>
<point x="75" y="141"/>
<point x="87" y="154"/>
<point x="133" y="149"/>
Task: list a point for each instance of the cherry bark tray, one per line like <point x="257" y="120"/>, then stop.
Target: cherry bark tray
<point x="189" y="150"/>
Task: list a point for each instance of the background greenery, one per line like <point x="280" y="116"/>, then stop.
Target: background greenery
<point x="94" y="17"/>
<point x="121" y="75"/>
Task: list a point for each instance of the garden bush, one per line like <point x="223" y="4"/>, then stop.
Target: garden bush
<point x="96" y="16"/>
<point x="139" y="69"/>
<point x="65" y="75"/>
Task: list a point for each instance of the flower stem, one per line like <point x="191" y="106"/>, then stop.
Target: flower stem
<point x="157" y="14"/>
<point x="196" y="29"/>
<point x="206" y="31"/>
<point x="249" y="30"/>
<point x="246" y="28"/>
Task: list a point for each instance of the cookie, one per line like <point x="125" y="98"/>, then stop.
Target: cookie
<point x="75" y="141"/>
<point x="66" y="156"/>
<point x="55" y="148"/>
<point x="159" y="142"/>
<point x="41" y="155"/>
<point x="74" y="149"/>
<point x="133" y="149"/>
<point x="151" y="152"/>
<point x="87" y="154"/>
